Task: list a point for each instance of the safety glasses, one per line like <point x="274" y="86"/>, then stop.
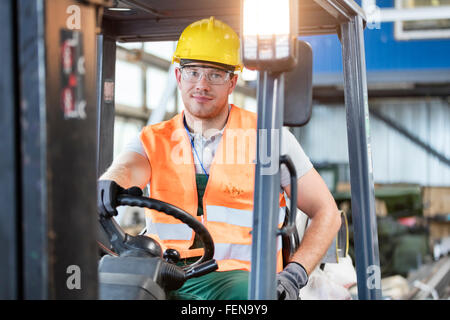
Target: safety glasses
<point x="212" y="75"/>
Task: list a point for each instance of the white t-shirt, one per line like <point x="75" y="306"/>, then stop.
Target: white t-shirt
<point x="206" y="148"/>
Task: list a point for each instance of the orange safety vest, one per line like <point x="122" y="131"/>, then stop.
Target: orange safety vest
<point x="228" y="198"/>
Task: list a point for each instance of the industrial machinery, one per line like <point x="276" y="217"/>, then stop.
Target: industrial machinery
<point x="57" y="123"/>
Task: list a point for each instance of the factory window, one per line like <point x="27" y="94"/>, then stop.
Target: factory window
<point x="161" y="49"/>
<point x="129" y="84"/>
<point x="436" y="25"/>
<point x="156" y="84"/>
<point x="125" y="128"/>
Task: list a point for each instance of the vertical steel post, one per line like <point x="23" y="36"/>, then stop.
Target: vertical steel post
<point x="58" y="167"/>
<point x="9" y="159"/>
<point x="267" y="187"/>
<point x="360" y="159"/>
<point x="106" y="61"/>
<point x="71" y="126"/>
<point x="33" y="135"/>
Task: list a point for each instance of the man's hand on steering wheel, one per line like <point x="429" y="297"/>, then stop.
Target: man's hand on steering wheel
<point x="107" y="192"/>
<point x="110" y="195"/>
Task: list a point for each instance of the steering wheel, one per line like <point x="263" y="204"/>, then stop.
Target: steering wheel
<point x="127" y="245"/>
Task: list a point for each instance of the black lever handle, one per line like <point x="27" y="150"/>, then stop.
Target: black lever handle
<point x="289" y="228"/>
<point x="115" y="233"/>
<point x="201" y="269"/>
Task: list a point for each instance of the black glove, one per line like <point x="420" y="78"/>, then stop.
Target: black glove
<point x="107" y="192"/>
<point x="290" y="281"/>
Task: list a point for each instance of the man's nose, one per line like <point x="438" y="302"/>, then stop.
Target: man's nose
<point x="202" y="84"/>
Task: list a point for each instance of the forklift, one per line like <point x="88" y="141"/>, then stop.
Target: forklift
<point x="57" y="92"/>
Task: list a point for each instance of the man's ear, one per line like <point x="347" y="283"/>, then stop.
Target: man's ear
<point x="233" y="82"/>
<point x="178" y="76"/>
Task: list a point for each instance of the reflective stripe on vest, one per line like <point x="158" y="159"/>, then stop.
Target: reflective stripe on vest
<point x="242" y="218"/>
<point x="243" y="252"/>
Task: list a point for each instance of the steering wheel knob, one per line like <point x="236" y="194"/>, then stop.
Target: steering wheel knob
<point x="171" y="256"/>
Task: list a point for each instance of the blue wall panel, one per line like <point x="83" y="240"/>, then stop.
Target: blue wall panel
<point x="383" y="52"/>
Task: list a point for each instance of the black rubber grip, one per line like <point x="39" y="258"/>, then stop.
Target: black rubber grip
<point x="290" y="226"/>
<point x="202" y="269"/>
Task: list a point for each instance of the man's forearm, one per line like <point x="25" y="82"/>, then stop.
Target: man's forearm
<point x="317" y="239"/>
<point x="128" y="170"/>
<point x="120" y="174"/>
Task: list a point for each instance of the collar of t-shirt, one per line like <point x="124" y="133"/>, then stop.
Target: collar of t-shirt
<point x="205" y="147"/>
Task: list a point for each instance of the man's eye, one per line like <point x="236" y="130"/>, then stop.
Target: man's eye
<point x="193" y="73"/>
<point x="216" y="76"/>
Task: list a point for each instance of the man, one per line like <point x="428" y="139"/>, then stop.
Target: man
<point x="194" y="162"/>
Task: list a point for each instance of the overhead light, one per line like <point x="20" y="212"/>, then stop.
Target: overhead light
<point x="116" y="7"/>
<point x="119" y="9"/>
<point x="269" y="34"/>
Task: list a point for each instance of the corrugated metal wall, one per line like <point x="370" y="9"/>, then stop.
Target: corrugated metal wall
<point x="396" y="159"/>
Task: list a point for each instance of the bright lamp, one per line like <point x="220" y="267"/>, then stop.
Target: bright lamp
<point x="268" y="33"/>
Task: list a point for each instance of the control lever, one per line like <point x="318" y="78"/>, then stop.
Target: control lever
<point x="173" y="277"/>
<point x="201" y="269"/>
<point x="171" y="256"/>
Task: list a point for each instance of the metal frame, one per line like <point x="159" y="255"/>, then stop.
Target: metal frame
<point x="46" y="211"/>
<point x="106" y="62"/>
<point x="170" y="18"/>
<point x="262" y="283"/>
<point x="360" y="160"/>
<point x="10" y="286"/>
<point x="71" y="208"/>
<point x="262" y="276"/>
<point x="33" y="145"/>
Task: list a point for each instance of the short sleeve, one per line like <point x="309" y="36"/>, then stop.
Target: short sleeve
<point x="291" y="147"/>
<point x="135" y="144"/>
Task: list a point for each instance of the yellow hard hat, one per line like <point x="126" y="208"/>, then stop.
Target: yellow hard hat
<point x="209" y="40"/>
